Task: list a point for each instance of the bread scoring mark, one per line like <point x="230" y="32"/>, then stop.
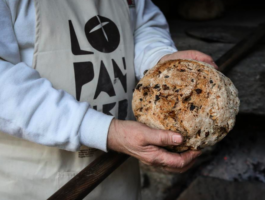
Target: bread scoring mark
<point x="198" y="91"/>
<point x="165" y="87"/>
<point x="157" y="86"/>
<point x="172" y="114"/>
<point x="192" y="107"/>
<point x="145" y="91"/>
<point x="188" y="98"/>
<point x="198" y="134"/>
<point x="207" y="134"/>
<point x="138" y="86"/>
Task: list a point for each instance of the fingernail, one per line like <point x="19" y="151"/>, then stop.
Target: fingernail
<point x="177" y="138"/>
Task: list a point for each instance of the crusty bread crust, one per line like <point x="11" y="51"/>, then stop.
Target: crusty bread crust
<point x="188" y="97"/>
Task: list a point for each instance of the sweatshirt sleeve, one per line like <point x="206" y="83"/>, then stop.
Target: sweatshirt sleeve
<point x="33" y="110"/>
<point x="152" y="37"/>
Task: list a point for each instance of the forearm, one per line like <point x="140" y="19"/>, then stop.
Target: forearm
<point x="32" y="109"/>
<point x="152" y="38"/>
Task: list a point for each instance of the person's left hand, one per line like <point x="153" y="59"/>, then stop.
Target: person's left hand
<point x="190" y="54"/>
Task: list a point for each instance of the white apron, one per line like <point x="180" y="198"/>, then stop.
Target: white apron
<point x="84" y="47"/>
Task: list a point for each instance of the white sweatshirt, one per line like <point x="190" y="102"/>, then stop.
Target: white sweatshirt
<point x="30" y="108"/>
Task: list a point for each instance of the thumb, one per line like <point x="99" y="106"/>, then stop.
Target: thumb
<point x="164" y="138"/>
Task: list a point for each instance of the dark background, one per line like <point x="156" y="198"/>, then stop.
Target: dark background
<point x="169" y="7"/>
<point x="234" y="169"/>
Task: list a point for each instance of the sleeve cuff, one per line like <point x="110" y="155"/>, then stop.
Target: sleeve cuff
<point x="94" y="129"/>
<point x="153" y="58"/>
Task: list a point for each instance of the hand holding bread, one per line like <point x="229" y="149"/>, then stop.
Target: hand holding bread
<point x="208" y="108"/>
<point x="187" y="97"/>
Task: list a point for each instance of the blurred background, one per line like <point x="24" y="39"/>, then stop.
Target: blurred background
<point x="234" y="169"/>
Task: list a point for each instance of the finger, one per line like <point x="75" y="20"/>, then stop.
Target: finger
<point x="179" y="170"/>
<point x="174" y="160"/>
<point x="190" y="54"/>
<point x="163" y="138"/>
<point x="166" y="170"/>
<point x="215" y="66"/>
<point x="197" y="55"/>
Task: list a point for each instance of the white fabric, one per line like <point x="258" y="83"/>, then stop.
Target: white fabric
<point x="32" y="109"/>
<point x="33" y="171"/>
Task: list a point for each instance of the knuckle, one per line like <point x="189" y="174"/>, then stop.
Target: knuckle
<point x="150" y="160"/>
<point x="171" y="164"/>
<point x="155" y="161"/>
<point x="163" y="137"/>
<point x="181" y="163"/>
<point x="141" y="139"/>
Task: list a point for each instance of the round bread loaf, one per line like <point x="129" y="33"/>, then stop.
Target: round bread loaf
<point x="188" y="97"/>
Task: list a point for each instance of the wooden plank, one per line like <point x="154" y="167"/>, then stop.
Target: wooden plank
<point x="89" y="178"/>
<point x="220" y="33"/>
<point x="240" y="50"/>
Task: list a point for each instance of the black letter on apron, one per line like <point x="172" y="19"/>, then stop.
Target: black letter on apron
<point x="102" y="34"/>
<point x="123" y="106"/>
<point x="104" y="82"/>
<point x="124" y="63"/>
<point x="118" y="74"/>
<point x="74" y="42"/>
<point x="84" y="73"/>
<point x="108" y="107"/>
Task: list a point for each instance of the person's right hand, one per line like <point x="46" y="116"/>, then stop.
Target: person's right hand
<point x="144" y="143"/>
